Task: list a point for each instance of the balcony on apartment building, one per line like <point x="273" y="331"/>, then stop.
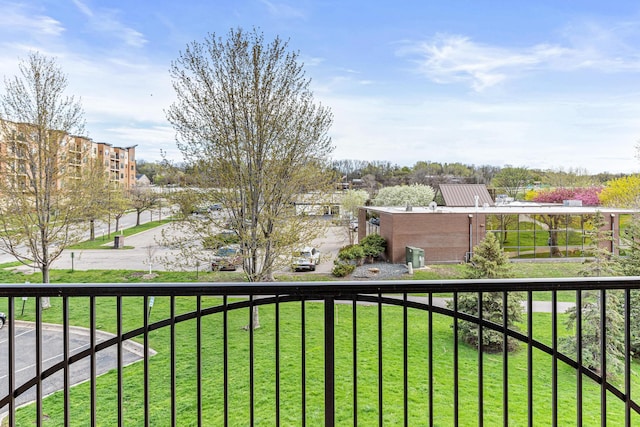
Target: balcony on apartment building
<point x="325" y="353"/>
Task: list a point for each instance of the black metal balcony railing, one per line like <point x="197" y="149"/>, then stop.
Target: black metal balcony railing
<point x="336" y="353"/>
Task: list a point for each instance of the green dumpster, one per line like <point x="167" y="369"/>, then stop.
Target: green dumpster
<point x="415" y="256"/>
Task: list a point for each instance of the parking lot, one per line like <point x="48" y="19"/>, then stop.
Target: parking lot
<point x="52" y="353"/>
<point x="146" y="243"/>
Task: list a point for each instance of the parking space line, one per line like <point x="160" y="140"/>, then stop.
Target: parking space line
<point x="56" y="356"/>
<point x="18" y="335"/>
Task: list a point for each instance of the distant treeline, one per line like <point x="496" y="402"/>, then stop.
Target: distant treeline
<point x="383" y="174"/>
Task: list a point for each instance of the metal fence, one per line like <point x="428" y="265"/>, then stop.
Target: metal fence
<point x="332" y="353"/>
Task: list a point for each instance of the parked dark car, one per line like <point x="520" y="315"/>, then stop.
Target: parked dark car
<point x="199" y="210"/>
<point x="227" y="258"/>
<point x="203" y="210"/>
<point x="375" y="221"/>
<point x="3" y="319"/>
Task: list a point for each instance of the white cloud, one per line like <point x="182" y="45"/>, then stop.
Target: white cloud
<point x="283" y="10"/>
<point x="83" y="8"/>
<point x="108" y="23"/>
<point x="452" y="58"/>
<point x="449" y="59"/>
<point x="16" y="17"/>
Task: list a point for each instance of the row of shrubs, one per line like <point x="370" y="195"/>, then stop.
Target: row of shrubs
<point x="351" y="256"/>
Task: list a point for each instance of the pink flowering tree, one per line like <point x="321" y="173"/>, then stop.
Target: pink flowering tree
<point x="588" y="196"/>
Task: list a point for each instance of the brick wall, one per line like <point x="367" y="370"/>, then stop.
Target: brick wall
<point x="443" y="237"/>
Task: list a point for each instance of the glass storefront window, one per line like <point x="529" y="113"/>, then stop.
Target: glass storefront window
<point x="539" y="236"/>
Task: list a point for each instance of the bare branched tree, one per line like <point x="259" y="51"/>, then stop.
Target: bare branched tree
<point x="143" y="199"/>
<point x="248" y="125"/>
<point x="43" y="196"/>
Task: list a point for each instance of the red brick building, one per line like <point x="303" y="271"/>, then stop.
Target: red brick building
<point x="448" y="234"/>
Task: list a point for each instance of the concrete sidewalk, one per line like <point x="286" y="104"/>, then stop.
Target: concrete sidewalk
<point x="537" y="306"/>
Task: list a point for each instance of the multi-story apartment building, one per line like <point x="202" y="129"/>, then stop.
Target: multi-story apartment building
<point x="120" y="163"/>
<point x="73" y="153"/>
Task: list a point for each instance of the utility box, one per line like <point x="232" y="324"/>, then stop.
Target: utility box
<point x="415" y="256"/>
<point x="118" y="242"/>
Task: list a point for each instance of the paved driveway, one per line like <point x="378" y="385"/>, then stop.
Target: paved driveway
<point x="52" y="353"/>
<point x="146" y="244"/>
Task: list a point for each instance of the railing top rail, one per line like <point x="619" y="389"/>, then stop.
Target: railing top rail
<point x="319" y="289"/>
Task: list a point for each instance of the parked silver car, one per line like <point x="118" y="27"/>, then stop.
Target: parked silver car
<point x="305" y="259"/>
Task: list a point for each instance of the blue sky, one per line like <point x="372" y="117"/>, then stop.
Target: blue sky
<point x="550" y="84"/>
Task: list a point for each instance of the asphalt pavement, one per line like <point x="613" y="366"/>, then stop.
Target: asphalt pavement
<point x="52" y="353"/>
<point x="148" y="249"/>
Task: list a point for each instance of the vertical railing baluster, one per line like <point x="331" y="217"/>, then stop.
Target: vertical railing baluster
<point x="480" y="364"/>
<point x="329" y="361"/>
<point x="172" y="345"/>
<point x="225" y="357"/>
<point x="603" y="357"/>
<point x="303" y="361"/>
<point x="456" y="363"/>
<point x="354" y="321"/>
<point x="11" y="363"/>
<point x="252" y="389"/>
<point x="579" y="357"/>
<point x="65" y="356"/>
<point x="505" y="361"/>
<point x="38" y="361"/>
<point x="277" y="346"/>
<point x="530" y="358"/>
<point x="430" y="357"/>
<point x="627" y="357"/>
<point x="199" y="357"/>
<point x="405" y="359"/>
<point x="554" y="358"/>
<point x="145" y="302"/>
<point x="380" y="364"/>
<point x="120" y="360"/>
<point x="92" y="344"/>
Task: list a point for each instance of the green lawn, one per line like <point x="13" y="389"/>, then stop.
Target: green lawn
<point x="291" y="360"/>
<point x="106" y="242"/>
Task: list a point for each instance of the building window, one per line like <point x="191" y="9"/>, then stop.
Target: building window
<point x="539" y="236"/>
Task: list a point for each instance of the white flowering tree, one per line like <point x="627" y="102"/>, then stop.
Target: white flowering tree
<point x="403" y="195"/>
